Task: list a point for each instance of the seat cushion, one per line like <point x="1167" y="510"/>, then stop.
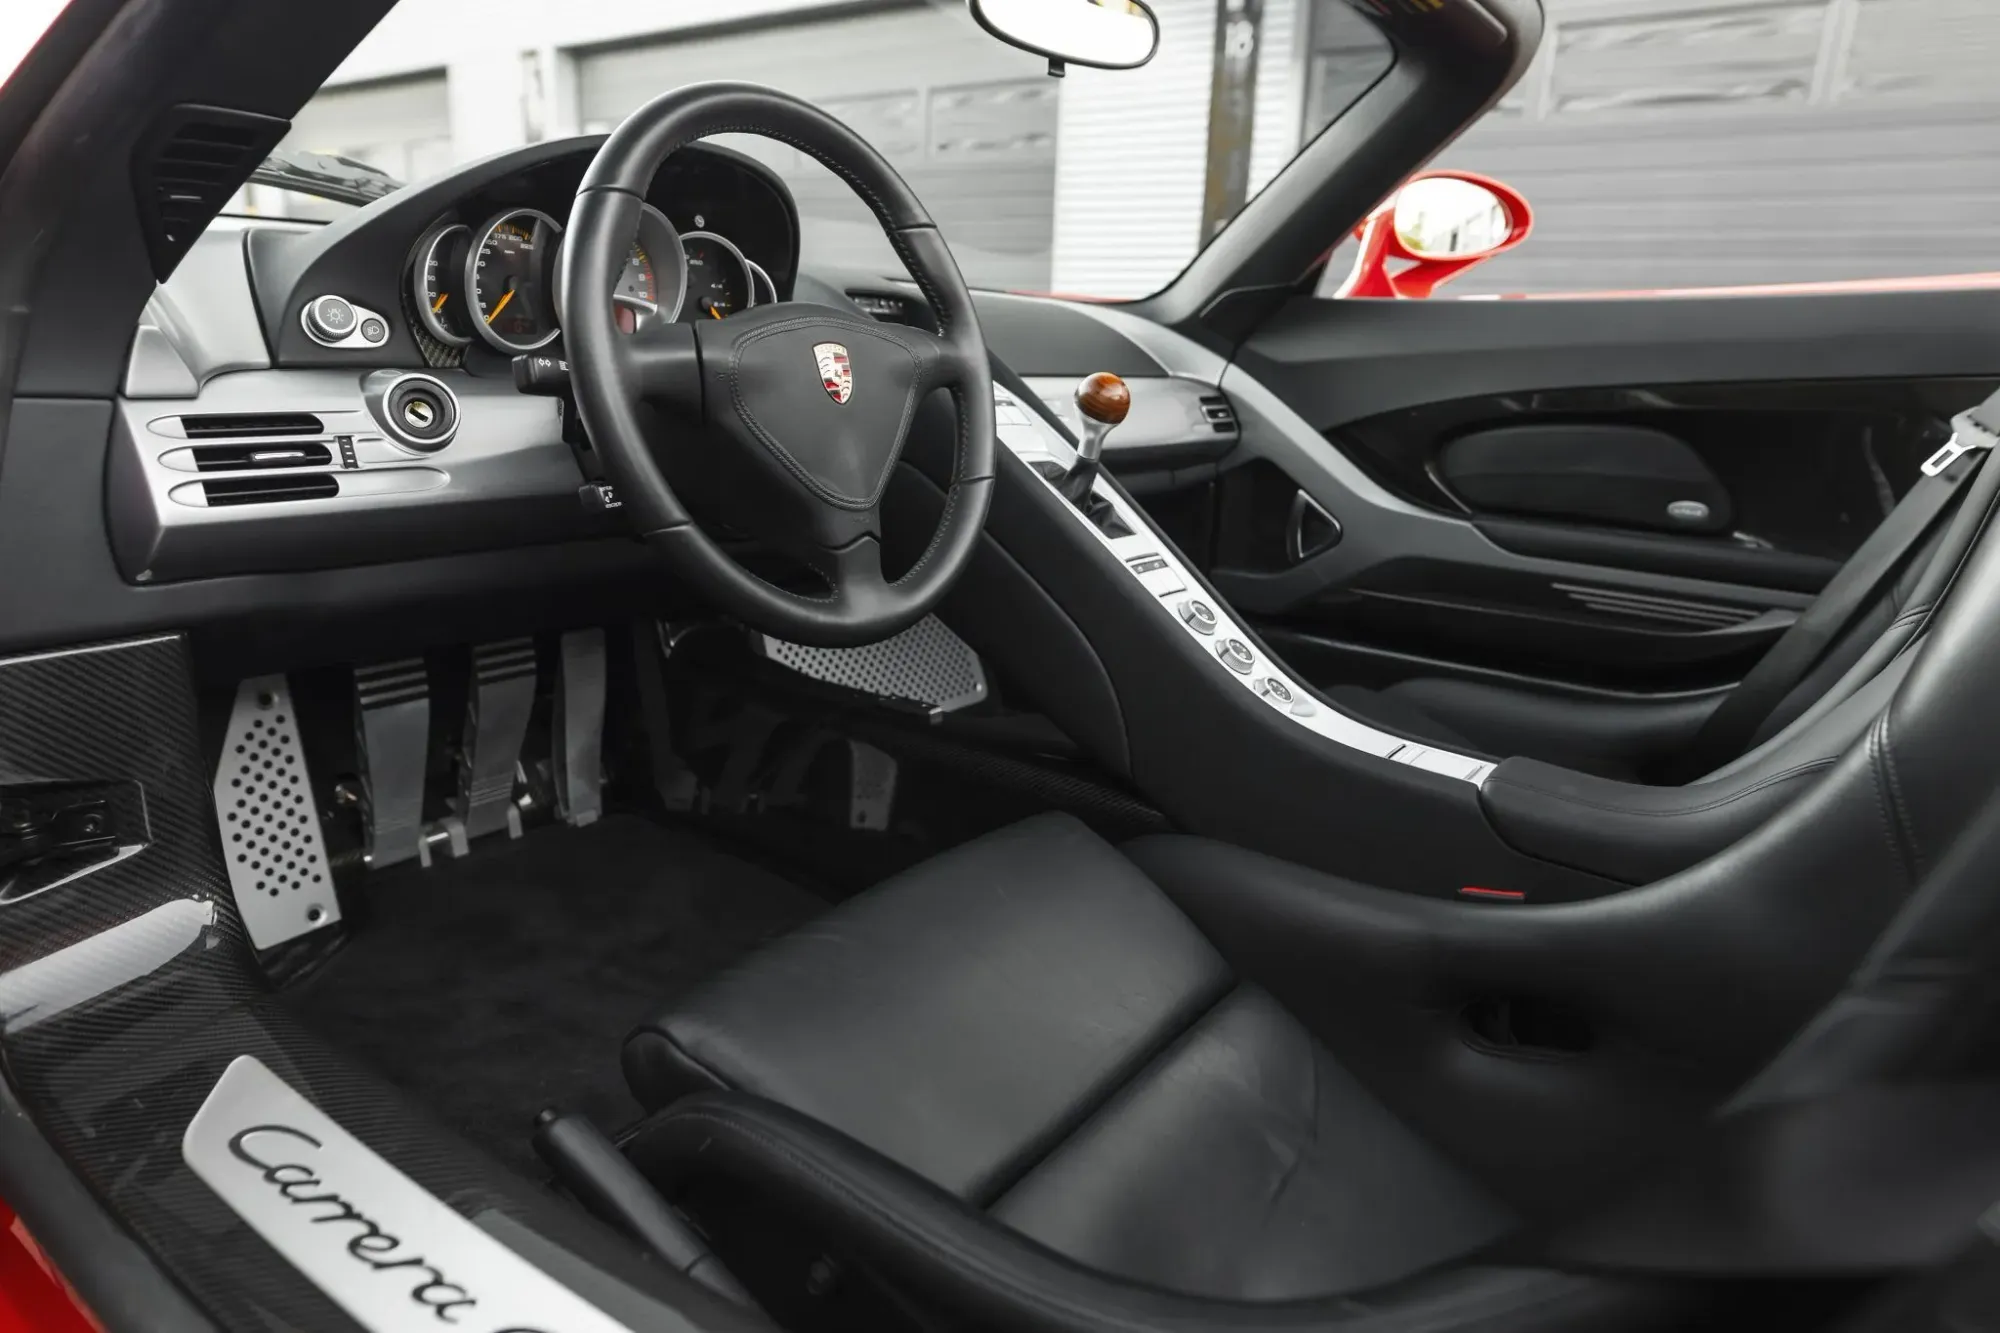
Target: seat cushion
<point x="1029" y="1023"/>
<point x="1245" y="1163"/>
<point x="958" y="1018"/>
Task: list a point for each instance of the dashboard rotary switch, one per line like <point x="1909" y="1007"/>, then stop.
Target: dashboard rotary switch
<point x="1102" y="400"/>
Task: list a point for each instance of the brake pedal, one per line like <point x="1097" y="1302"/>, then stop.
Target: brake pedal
<point x="392" y="726"/>
<point x="497" y="709"/>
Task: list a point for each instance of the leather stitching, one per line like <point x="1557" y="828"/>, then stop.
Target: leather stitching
<point x="1810" y="766"/>
<point x="1888" y="753"/>
<point x="1891" y="832"/>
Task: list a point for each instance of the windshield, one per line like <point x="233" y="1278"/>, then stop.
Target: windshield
<point x="1101" y="183"/>
<point x="22" y="23"/>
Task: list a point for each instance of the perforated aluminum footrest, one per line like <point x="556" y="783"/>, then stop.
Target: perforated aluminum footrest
<point x="926" y="664"/>
<point x="269" y="820"/>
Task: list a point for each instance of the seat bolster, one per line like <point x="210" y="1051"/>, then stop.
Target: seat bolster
<point x="944" y="1255"/>
<point x="652" y="1059"/>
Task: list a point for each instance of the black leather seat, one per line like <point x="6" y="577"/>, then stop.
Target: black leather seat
<point x="1030" y="1026"/>
<point x="1041" y="1083"/>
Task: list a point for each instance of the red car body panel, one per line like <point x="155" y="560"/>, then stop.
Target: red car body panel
<point x="34" y="1298"/>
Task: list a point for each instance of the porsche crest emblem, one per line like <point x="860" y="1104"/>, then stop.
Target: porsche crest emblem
<point x="836" y="372"/>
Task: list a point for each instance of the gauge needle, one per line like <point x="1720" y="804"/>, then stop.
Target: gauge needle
<point x="502" y="306"/>
<point x="714" y="313"/>
<point x="438" y="304"/>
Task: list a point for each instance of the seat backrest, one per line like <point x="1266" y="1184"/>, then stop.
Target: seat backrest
<point x="1921" y="1003"/>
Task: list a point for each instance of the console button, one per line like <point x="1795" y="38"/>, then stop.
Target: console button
<point x="1275" y="690"/>
<point x="330" y="319"/>
<point x="1236" y="655"/>
<point x="1199" y="615"/>
<point x="374" y="331"/>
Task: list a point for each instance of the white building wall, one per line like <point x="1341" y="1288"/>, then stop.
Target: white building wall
<point x="1131" y="155"/>
<point x="1131" y="145"/>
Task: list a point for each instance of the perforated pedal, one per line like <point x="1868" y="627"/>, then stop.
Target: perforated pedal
<point x="269" y="819"/>
<point x="925" y="664"/>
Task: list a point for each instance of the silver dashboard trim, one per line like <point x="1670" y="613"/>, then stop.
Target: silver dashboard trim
<point x="357" y="341"/>
<point x="387" y="419"/>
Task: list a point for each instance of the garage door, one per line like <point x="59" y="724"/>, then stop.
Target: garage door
<point x="1674" y="143"/>
<point x="970" y="123"/>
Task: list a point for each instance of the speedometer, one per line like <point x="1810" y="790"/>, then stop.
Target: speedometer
<point x="509" y="281"/>
<point x="718" y="281"/>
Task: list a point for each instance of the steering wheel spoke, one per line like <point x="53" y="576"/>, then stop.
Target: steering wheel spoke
<point x="661" y="363"/>
<point x="854" y="572"/>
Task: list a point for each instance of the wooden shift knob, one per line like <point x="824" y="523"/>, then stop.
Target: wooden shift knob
<point x="1103" y="397"/>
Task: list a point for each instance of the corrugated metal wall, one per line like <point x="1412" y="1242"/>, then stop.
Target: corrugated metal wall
<point x="1675" y="143"/>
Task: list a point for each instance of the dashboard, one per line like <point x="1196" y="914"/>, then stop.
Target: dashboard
<point x="462" y="271"/>
<point x="316" y="397"/>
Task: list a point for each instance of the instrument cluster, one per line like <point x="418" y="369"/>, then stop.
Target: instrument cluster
<point x="495" y="282"/>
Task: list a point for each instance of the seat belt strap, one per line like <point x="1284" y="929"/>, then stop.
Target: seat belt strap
<point x="1851" y="591"/>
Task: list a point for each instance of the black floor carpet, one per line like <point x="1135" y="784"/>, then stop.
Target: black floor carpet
<point x="491" y="987"/>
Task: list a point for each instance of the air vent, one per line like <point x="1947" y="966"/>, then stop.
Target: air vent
<point x="186" y="169"/>
<point x="1220" y="413"/>
<point x="260" y="457"/>
<point x="268" y="490"/>
<point x="888" y="309"/>
<point x="238" y="425"/>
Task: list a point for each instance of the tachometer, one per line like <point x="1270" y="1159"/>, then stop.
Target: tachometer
<point x="436" y="279"/>
<point x="650" y="286"/>
<point x="718" y="283"/>
<point x="509" y="278"/>
<point x="654" y="279"/>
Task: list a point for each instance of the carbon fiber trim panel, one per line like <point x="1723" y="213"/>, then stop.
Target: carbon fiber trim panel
<point x="126" y="995"/>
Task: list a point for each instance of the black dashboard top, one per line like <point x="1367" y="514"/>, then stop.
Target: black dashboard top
<point x="367" y="258"/>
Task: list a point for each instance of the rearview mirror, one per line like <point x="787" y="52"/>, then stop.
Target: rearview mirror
<point x="1437" y="226"/>
<point x="1103" y="34"/>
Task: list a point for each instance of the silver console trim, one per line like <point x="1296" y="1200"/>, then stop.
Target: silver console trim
<point x="1152" y="563"/>
<point x="387" y="419"/>
<point x="355" y="341"/>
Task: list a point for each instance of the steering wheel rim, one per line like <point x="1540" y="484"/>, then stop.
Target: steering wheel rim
<point x="819" y="464"/>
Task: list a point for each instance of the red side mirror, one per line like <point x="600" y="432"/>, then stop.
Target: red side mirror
<point x="1438" y="225"/>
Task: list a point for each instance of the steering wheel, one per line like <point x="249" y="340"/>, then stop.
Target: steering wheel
<point x="792" y="416"/>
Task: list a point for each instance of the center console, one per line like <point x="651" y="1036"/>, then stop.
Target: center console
<point x="1115" y="523"/>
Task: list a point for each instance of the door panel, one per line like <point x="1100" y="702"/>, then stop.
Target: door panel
<point x="1802" y="419"/>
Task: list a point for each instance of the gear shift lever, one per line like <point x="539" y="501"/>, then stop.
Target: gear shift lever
<point x="1102" y="400"/>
